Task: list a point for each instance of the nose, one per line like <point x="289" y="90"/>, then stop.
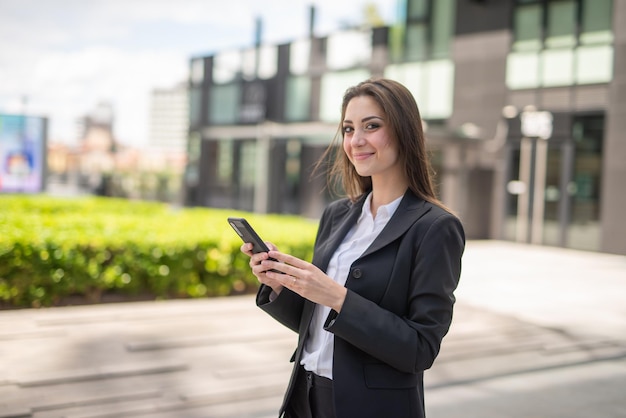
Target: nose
<point x="358" y="138"/>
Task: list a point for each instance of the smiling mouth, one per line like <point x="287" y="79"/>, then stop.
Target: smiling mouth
<point x="362" y="156"/>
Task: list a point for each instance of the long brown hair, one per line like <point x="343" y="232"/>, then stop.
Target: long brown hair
<point x="405" y="124"/>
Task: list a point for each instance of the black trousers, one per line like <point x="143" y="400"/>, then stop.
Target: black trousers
<point x="312" y="397"/>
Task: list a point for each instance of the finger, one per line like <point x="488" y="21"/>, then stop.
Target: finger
<point x="258" y="258"/>
<point x="285" y="280"/>
<point x="288" y="259"/>
<point x="281" y="267"/>
<point x="246" y="248"/>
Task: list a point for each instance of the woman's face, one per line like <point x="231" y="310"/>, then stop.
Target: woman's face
<point x="367" y="139"/>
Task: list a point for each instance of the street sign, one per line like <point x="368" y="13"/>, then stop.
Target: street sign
<point x="536" y="124"/>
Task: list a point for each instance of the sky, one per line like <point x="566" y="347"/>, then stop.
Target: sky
<point x="60" y="58"/>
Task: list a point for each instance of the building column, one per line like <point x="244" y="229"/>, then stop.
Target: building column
<point x="261" y="184"/>
<point x="613" y="197"/>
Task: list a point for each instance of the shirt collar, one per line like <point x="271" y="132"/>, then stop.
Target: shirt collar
<point x="384" y="211"/>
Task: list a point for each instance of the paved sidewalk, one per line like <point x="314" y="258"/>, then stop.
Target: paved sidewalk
<point x="538" y="332"/>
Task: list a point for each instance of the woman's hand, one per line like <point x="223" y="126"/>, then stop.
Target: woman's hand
<point x="258" y="269"/>
<point x="304" y="279"/>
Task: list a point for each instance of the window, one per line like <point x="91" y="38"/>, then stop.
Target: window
<point x="259" y="62"/>
<point x="195" y="106"/>
<point x="196" y="72"/>
<point x="585" y="186"/>
<point x="596" y="22"/>
<point x="416" y="42"/>
<point x="225" y="157"/>
<point x="247" y="167"/>
<point x="429" y="30"/>
<point x="442" y="27"/>
<point x="349" y="49"/>
<point x="331" y="91"/>
<point x="560" y="43"/>
<point x="561" y="24"/>
<point x="527" y="28"/>
<point x="297" y="105"/>
<point x="226" y="66"/>
<point x="431" y="83"/>
<point x="299" y="53"/>
<point x="268" y="61"/>
<point x="417" y="9"/>
<point x="224" y="103"/>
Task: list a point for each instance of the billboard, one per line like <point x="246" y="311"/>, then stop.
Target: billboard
<point x="22" y="153"/>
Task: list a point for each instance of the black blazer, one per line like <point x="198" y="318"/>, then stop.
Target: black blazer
<point x="397" y="310"/>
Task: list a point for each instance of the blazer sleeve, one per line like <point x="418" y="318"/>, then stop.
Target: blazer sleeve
<point x="410" y="341"/>
<point x="286" y="308"/>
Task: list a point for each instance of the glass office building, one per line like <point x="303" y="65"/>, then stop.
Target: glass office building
<point x="523" y="101"/>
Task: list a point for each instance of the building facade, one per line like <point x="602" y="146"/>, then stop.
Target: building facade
<point x="169" y="115"/>
<point x="523" y="102"/>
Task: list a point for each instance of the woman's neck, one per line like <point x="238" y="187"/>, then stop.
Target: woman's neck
<point x="384" y="193"/>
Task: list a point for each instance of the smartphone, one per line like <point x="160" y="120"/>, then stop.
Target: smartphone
<point x="248" y="234"/>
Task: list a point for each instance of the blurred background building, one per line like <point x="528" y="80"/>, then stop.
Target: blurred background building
<point x="99" y="164"/>
<point x="524" y="102"/>
<point x="169" y="112"/>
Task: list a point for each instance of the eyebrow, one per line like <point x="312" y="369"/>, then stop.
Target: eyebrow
<point x="365" y="119"/>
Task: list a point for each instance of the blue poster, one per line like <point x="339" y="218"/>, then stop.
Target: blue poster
<point x="22" y="153"/>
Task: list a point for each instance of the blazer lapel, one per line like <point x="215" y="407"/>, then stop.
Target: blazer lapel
<point x="340" y="227"/>
<point x="410" y="210"/>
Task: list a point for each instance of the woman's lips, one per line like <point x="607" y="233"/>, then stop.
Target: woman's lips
<point x="362" y="155"/>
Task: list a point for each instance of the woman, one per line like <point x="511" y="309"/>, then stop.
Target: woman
<point x="376" y="301"/>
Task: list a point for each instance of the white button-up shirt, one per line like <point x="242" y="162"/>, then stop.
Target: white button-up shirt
<point x="317" y="356"/>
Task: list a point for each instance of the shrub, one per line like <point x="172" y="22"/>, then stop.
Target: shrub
<point x="53" y="250"/>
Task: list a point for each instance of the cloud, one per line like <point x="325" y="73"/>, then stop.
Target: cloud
<point x="67" y="85"/>
<point x="65" y="56"/>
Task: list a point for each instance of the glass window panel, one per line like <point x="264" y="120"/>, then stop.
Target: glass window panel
<point x="442" y="27"/>
<point x="225" y="161"/>
<point x="596" y="22"/>
<point x="292" y="167"/>
<point x="396" y="43"/>
<point x="440" y="88"/>
<point x="561" y="30"/>
<point x="194" y="145"/>
<point x="416" y="42"/>
<point x="226" y="66"/>
<point x="584" y="228"/>
<point x="527" y="28"/>
<point x="348" y="49"/>
<point x="413" y="76"/>
<point x="417" y="9"/>
<point x="195" y="106"/>
<point x="522" y="70"/>
<point x="268" y="61"/>
<point x="594" y="64"/>
<point x="331" y="91"/>
<point x="247" y="168"/>
<point x="224" y="103"/>
<point x="196" y="73"/>
<point x="248" y="64"/>
<point x="557" y="67"/>
<point x="299" y="55"/>
<point x="298" y="99"/>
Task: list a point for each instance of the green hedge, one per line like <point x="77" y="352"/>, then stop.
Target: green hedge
<point x="55" y="250"/>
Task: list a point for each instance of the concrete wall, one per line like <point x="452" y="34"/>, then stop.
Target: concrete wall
<point x="480" y="93"/>
<point x="613" y="198"/>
